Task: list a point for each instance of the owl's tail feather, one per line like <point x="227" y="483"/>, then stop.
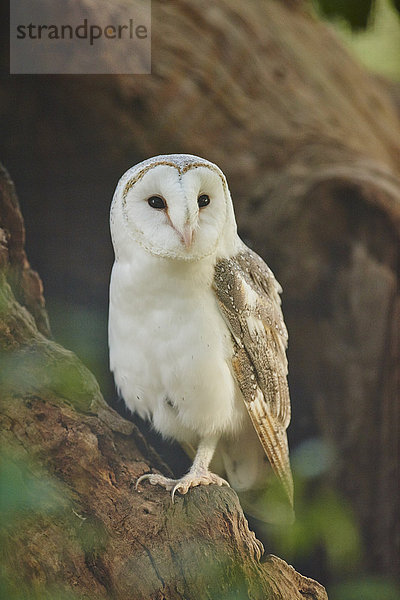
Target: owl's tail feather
<point x="274" y="441"/>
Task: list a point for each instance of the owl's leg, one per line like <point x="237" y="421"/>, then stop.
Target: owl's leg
<point x="198" y="474"/>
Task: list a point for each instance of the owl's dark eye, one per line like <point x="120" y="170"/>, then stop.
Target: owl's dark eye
<point x="156" y="202"/>
<point x="203" y="200"/>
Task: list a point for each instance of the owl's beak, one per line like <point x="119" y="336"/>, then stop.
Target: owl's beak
<point x="187" y="235"/>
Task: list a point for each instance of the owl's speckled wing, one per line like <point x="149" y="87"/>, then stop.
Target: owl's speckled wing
<point x="248" y="297"/>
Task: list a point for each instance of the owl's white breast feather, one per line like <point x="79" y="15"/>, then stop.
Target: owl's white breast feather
<point x="170" y="349"/>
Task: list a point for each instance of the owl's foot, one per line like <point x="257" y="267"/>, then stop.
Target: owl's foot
<point x="195" y="478"/>
<point x="183" y="485"/>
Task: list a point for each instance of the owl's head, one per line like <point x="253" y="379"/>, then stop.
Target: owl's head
<point x="174" y="206"/>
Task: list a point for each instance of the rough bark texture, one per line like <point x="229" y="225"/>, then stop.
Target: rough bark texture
<point x="310" y="145"/>
<point x="107" y="540"/>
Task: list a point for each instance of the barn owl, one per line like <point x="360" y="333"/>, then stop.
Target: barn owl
<point x="196" y="334"/>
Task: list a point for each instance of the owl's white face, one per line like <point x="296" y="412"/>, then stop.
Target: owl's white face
<point x="175" y="212"/>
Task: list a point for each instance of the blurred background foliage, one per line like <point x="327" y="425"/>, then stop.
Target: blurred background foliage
<point x="29" y="496"/>
<point x="35" y="504"/>
<point x="325" y="541"/>
<point x="369" y="28"/>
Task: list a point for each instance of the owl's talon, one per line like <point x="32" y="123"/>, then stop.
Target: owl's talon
<point x="173" y="493"/>
<point x="140" y="479"/>
<point x="155" y="479"/>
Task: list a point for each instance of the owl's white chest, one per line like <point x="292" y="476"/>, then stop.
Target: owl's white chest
<point x="170" y="349"/>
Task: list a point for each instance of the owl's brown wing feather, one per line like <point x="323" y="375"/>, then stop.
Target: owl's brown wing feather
<point x="248" y="297"/>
